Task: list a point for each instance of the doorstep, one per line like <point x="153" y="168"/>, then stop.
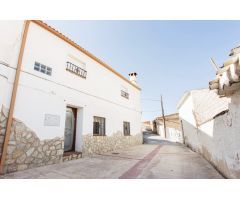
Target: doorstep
<point x="71" y="155"/>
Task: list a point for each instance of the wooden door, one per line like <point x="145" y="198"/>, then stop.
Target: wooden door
<point x="70" y="129"/>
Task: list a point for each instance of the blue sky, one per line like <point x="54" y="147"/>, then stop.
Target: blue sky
<point x="170" y="57"/>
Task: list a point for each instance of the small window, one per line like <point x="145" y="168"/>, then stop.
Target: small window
<point x="124" y="92"/>
<point x="43" y="68"/>
<point x="49" y="71"/>
<point x="126" y="128"/>
<point x="37" y="66"/>
<point x="98" y="126"/>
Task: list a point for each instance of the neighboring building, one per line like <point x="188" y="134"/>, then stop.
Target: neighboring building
<point x="173" y="127"/>
<point x="147" y="126"/>
<point x="211" y="118"/>
<point x="67" y="101"/>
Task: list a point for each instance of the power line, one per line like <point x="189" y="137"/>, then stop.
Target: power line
<point x="151" y="110"/>
<point x="150" y="99"/>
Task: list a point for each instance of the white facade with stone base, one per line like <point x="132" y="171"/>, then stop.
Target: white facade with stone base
<point x="44" y="95"/>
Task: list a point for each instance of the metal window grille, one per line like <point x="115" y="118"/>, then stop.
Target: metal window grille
<point x="42" y="68"/>
<point x="99" y="126"/>
<point x="126" y="128"/>
<point x="76" y="70"/>
<point x="124" y="94"/>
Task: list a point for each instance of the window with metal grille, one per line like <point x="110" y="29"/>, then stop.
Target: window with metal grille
<point x="126" y="128"/>
<point x="124" y="92"/>
<point x="76" y="70"/>
<point x="98" y="125"/>
<point x="43" y="68"/>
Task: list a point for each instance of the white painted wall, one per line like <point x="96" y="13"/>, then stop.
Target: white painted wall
<point x="172" y="134"/>
<point x="10" y="40"/>
<point x="188" y="121"/>
<point x="40" y="94"/>
<point x="218" y="139"/>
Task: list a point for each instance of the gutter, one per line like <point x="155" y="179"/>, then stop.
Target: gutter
<point x="13" y="98"/>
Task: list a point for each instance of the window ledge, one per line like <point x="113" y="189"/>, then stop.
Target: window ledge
<point x="98" y="135"/>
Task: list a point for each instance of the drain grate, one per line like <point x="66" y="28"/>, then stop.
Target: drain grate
<point x="116" y="153"/>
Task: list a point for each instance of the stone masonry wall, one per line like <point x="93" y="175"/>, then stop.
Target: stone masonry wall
<point x="25" y="149"/>
<point x="102" y="144"/>
<point x="3" y="122"/>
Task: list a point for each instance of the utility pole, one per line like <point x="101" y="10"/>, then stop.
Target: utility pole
<point x="163" y="116"/>
<point x="214" y="64"/>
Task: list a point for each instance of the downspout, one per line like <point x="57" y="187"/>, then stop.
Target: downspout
<point x="13" y="98"/>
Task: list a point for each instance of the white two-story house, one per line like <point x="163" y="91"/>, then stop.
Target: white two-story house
<point x="58" y="100"/>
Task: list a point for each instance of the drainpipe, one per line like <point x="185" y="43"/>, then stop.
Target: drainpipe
<point x="13" y="98"/>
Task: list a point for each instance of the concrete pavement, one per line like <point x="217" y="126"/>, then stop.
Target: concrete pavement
<point x="156" y="159"/>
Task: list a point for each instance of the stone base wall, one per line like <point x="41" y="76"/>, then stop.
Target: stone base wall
<point x="102" y="144"/>
<point x="3" y="123"/>
<point x="25" y="149"/>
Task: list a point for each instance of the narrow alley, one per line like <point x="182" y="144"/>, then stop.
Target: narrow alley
<point x="154" y="159"/>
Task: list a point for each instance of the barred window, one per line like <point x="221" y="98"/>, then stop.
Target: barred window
<point x="98" y="125"/>
<point x="43" y="68"/>
<point x="126" y="128"/>
<point x="124" y="92"/>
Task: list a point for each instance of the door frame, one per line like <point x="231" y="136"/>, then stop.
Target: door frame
<point x="75" y="127"/>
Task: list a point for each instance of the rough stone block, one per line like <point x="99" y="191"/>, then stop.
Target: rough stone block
<point x="35" y="153"/>
<point x="10" y="149"/>
<point x="22" y="167"/>
<point x="17" y="153"/>
<point x="30" y="151"/>
<point x="40" y="155"/>
<point x="52" y="148"/>
<point x="60" y="152"/>
<point x="2" y="131"/>
<point x="59" y="146"/>
<point x="48" y="153"/>
<point x="29" y="160"/>
<point x="21" y="159"/>
<point x="54" y="152"/>
<point x="1" y="139"/>
<point x="7" y="162"/>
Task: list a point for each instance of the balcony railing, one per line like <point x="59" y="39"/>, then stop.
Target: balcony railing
<point x="124" y="94"/>
<point x="76" y="70"/>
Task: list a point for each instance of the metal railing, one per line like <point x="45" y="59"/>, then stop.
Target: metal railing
<point x="76" y="70"/>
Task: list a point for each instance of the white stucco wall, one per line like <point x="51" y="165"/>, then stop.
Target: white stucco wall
<point x="40" y="94"/>
<point x="172" y="134"/>
<point x="10" y="40"/>
<point x="218" y="139"/>
<point x="188" y="121"/>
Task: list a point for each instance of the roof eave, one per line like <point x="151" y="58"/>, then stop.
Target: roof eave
<point x="69" y="41"/>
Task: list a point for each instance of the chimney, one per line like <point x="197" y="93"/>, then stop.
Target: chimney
<point x="133" y="77"/>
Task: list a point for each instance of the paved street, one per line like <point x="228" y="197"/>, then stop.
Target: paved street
<point x="156" y="159"/>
